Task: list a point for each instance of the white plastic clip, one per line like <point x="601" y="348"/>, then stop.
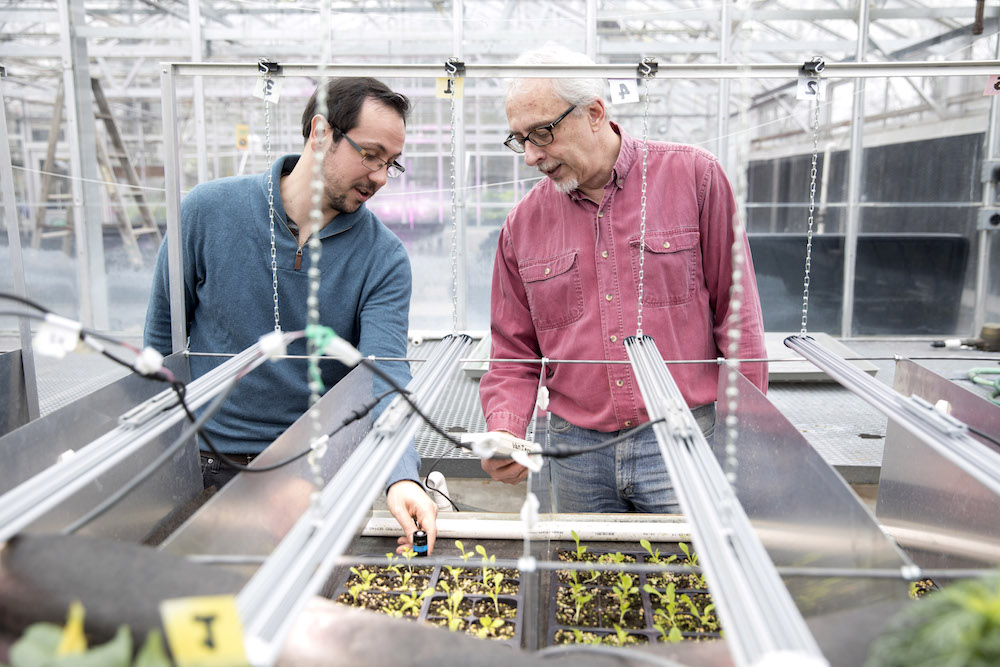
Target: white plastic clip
<point x="344" y="352"/>
<point x="56" y="336"/>
<point x="148" y="362"/>
<point x="273" y="345"/>
<point x="529" y="512"/>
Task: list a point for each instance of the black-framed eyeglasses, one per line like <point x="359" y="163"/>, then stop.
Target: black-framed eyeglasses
<point x="540" y="136"/>
<point x="374" y="162"/>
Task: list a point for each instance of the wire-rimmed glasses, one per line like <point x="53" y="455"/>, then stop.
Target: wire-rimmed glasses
<point x="540" y="136"/>
<point x="374" y="162"/>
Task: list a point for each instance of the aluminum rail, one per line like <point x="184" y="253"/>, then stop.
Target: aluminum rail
<point x="946" y="435"/>
<point x="42" y="493"/>
<point x="303" y="560"/>
<point x="756" y="609"/>
<point x="619" y="71"/>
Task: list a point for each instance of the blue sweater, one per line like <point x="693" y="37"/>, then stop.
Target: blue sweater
<point x="229" y="300"/>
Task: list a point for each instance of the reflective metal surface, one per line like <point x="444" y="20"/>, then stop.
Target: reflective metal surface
<point x="251" y="514"/>
<point x="14" y="407"/>
<point x="36" y="446"/>
<point x="940" y="514"/>
<point x="803" y="511"/>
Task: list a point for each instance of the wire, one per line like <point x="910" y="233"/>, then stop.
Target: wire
<point x="24" y="300"/>
<point x="985" y="436"/>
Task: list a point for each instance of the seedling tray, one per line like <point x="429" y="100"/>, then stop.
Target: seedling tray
<point x="382" y="599"/>
<point x="598" y="617"/>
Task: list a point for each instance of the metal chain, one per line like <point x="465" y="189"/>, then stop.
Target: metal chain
<point x="642" y="209"/>
<point x="812" y="209"/>
<point x="454" y="204"/>
<point x="270" y="210"/>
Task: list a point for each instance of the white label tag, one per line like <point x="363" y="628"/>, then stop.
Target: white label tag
<point x="55" y="337"/>
<point x="267" y="88"/>
<point x="810" y="87"/>
<point x="624" y="91"/>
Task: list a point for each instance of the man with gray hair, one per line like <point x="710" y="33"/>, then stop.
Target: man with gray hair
<point x="565" y="287"/>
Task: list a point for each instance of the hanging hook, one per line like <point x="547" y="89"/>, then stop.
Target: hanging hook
<point x="648" y="68"/>
<point x="455" y="68"/>
<point x="815" y="66"/>
<point x="265" y="66"/>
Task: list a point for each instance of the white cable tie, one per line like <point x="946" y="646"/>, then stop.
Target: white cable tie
<point x="911" y="572"/>
<point x="148" y="362"/>
<point x="56" y="336"/>
<point x="527" y="564"/>
<point x="273" y="345"/>
<point x="344" y="352"/>
<point x="543" y="398"/>
<point x="529" y="512"/>
<point x="532" y="462"/>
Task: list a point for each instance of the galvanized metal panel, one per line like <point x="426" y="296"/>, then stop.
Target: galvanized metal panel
<point x="941" y="515"/>
<point x="14" y="407"/>
<point x="803" y="511"/>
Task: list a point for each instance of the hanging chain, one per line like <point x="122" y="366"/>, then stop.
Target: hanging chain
<point x="812" y="209"/>
<point x="647" y="73"/>
<point x="452" y="69"/>
<point x="270" y="209"/>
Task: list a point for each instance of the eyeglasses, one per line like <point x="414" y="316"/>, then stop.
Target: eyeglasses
<point x="373" y="162"/>
<point x="540" y="136"/>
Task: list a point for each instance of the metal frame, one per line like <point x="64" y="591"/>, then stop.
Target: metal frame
<point x="173" y="174"/>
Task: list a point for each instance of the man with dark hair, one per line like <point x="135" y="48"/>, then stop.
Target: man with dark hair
<point x="246" y="270"/>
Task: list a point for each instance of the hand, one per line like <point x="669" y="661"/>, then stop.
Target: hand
<point x="505" y="470"/>
<point x="407" y="500"/>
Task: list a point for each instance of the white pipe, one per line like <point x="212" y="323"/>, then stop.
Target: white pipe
<point x="490" y="526"/>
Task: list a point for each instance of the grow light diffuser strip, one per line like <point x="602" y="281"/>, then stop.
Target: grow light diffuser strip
<point x="40" y="494"/>
<point x="944" y="434"/>
<point x="756" y="609"/>
<point x="303" y="560"/>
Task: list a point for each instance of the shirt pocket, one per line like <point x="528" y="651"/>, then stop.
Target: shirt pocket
<point x="554" y="288"/>
<point x="670" y="266"/>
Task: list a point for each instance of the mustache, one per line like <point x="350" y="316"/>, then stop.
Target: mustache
<point x="548" y="166"/>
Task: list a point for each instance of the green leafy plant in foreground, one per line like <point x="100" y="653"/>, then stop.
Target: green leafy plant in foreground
<point x="959" y="625"/>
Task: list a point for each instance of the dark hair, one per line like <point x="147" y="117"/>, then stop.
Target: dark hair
<point x="344" y="98"/>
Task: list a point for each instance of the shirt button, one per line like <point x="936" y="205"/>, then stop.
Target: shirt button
<point x="547" y="270"/>
<point x="628" y="422"/>
<point x="604" y="254"/>
<point x="621" y="182"/>
<point x="619" y="382"/>
<point x="666" y="244"/>
<point x="608" y="297"/>
<point x="614" y="338"/>
<point x="600" y="214"/>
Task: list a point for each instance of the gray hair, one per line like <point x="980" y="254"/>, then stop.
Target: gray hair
<point x="574" y="91"/>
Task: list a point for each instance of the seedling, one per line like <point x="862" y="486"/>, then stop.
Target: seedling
<point x="621" y="635"/>
<point x="667" y="608"/>
<point x="584" y="639"/>
<point x="494" y="591"/>
<point x="654" y="556"/>
<point x="624" y="591"/>
<point x="490" y="626"/>
<point x="580" y="550"/>
<point x="704" y="616"/>
<point x="487" y="561"/>
<point x="691" y="560"/>
<point x="365" y="576"/>
<point x="465" y="555"/>
<point x="408" y="602"/>
<point x="673" y="635"/>
<point x="580" y="598"/>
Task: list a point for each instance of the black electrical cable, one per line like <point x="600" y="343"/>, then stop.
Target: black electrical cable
<point x="427" y="482"/>
<point x="985" y="436"/>
<point x="24" y="300"/>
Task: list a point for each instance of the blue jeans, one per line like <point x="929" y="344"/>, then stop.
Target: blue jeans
<point x="628" y="477"/>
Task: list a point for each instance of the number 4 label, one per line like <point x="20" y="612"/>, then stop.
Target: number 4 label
<point x="204" y="631"/>
<point x="624" y="91"/>
<point x="811" y="88"/>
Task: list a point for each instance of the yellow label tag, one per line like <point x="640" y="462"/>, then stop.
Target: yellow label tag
<point x="204" y="631"/>
<point x="444" y="87"/>
<point x="242" y="136"/>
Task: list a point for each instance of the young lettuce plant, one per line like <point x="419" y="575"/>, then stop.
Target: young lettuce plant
<point x="496" y="586"/>
<point x="487" y="561"/>
<point x="490" y="626"/>
<point x="624" y="591"/>
<point x="580" y="598"/>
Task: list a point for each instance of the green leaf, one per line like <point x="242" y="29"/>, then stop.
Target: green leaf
<point x="36" y="646"/>
<point x="152" y="654"/>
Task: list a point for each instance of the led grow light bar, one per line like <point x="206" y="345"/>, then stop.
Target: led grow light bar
<point x="755" y="607"/>
<point x="948" y="436"/>
<point x="301" y="563"/>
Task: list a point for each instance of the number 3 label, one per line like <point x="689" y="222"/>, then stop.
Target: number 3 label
<point x="268" y="89"/>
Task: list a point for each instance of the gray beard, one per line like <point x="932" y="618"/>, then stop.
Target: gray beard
<point x="566" y="186"/>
